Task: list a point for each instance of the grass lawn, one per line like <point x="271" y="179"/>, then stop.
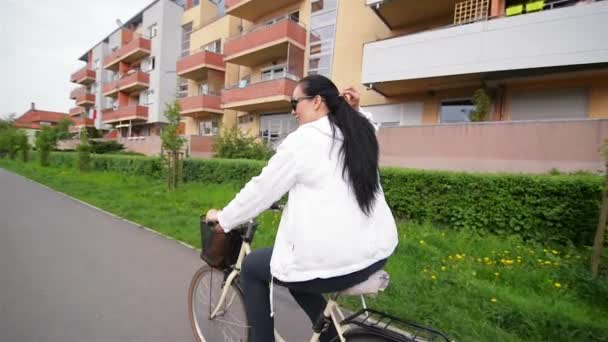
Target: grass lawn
<point x="472" y="287"/>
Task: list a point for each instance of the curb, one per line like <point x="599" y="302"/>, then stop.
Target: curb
<point x="106" y="212"/>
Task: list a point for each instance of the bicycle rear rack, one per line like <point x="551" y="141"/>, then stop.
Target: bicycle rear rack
<point x="394" y="328"/>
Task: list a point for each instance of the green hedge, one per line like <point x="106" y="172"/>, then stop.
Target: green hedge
<point x="556" y="208"/>
<point x="547" y="208"/>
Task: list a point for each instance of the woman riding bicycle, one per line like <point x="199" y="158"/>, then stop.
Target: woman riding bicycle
<point x="336" y="229"/>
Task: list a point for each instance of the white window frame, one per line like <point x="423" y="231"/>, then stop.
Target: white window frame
<point x="148" y="64"/>
<point x="153" y="30"/>
<point x="213" y="129"/>
<point x="273" y="72"/>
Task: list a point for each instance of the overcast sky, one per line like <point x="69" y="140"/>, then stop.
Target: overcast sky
<point x="41" y="43"/>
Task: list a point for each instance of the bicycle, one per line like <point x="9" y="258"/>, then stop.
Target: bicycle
<point x="219" y="315"/>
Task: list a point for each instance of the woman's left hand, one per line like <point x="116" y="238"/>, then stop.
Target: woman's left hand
<point x="212" y="217"/>
<point x="352" y="97"/>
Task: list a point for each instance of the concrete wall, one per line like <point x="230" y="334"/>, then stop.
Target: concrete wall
<point x="165" y="48"/>
<point x="566" y="36"/>
<point x="527" y="146"/>
<point x="100" y="51"/>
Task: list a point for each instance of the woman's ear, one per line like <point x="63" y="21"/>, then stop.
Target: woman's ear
<point x="317" y="102"/>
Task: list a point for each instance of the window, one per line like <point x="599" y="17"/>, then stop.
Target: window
<point x="186" y="32"/>
<point x="273" y="72"/>
<point x="456" y="110"/>
<point x="45" y="123"/>
<point x="322" y="5"/>
<point x="321" y="37"/>
<point x="215" y="46"/>
<point x="208" y="127"/>
<point x="245" y="119"/>
<point x="195" y="2"/>
<point x="182" y="87"/>
<point x="145" y="98"/>
<point x="152" y="30"/>
<point x="244" y="81"/>
<point x="147" y="64"/>
<point x="96" y="64"/>
<point x="203" y="89"/>
<point x="276" y="126"/>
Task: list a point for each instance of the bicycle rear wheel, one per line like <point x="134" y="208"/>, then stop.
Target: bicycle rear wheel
<point x="230" y="324"/>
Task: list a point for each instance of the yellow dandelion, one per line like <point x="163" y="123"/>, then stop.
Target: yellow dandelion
<point x="557" y="285"/>
<point x="554" y="252"/>
<point x="422" y="242"/>
<point x="478" y="260"/>
<point x="547" y="262"/>
<point x="433" y="277"/>
<point x="493" y="300"/>
<point x="443" y="268"/>
<point x="474" y="273"/>
<point x="540" y="260"/>
<point x="425" y="270"/>
<point x="556" y="264"/>
<point x="496" y="274"/>
<point x="545" y="250"/>
<point x="486" y="259"/>
<point x="450" y="257"/>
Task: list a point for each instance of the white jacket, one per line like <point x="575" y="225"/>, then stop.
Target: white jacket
<point x="323" y="233"/>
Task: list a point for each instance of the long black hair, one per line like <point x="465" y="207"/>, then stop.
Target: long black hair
<point x="359" y="149"/>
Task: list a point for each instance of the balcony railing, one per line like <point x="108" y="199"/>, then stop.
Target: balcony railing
<point x="253" y="9"/>
<point x="134" y="112"/>
<point x="129" y="83"/>
<point x="265" y="42"/>
<point x="195" y="65"/>
<point x="83" y="76"/>
<point x="204" y="103"/>
<point x="272" y="94"/>
<point x="135" y="50"/>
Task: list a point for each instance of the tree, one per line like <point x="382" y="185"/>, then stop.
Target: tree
<point x="84" y="151"/>
<point x="481" y="99"/>
<point x="598" y="242"/>
<point x="47" y="138"/>
<point x="9" y="138"/>
<point x="232" y="143"/>
<point x="172" y="144"/>
<point x="23" y="145"/>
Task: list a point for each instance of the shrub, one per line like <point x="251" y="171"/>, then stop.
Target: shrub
<point x="232" y="143"/>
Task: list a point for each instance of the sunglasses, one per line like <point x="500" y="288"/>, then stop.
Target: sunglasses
<point x="295" y="100"/>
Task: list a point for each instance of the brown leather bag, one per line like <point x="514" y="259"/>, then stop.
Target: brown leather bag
<point x="219" y="250"/>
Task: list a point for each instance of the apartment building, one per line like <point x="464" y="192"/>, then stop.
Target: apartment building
<point x="241" y="62"/>
<point x="414" y="62"/>
<point x="537" y="60"/>
<point x="130" y="76"/>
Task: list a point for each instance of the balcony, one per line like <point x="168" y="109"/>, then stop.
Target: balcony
<point x="82" y="97"/>
<point x="399" y="13"/>
<point x="78" y="123"/>
<point x="196" y="66"/>
<point x="265" y="43"/>
<point x="254" y="9"/>
<point x="267" y="95"/>
<point x="133" y="51"/>
<point x="201" y="105"/>
<point x="130" y="83"/>
<point x="568" y="36"/>
<point x="77" y="111"/>
<point x="134" y="112"/>
<point x="84" y="76"/>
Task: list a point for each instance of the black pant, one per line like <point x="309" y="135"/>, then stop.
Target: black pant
<point x="255" y="281"/>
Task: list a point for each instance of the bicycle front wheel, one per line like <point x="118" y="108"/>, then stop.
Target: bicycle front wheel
<point x="230" y="323"/>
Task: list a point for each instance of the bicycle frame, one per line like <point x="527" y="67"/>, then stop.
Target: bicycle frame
<point x="331" y="310"/>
